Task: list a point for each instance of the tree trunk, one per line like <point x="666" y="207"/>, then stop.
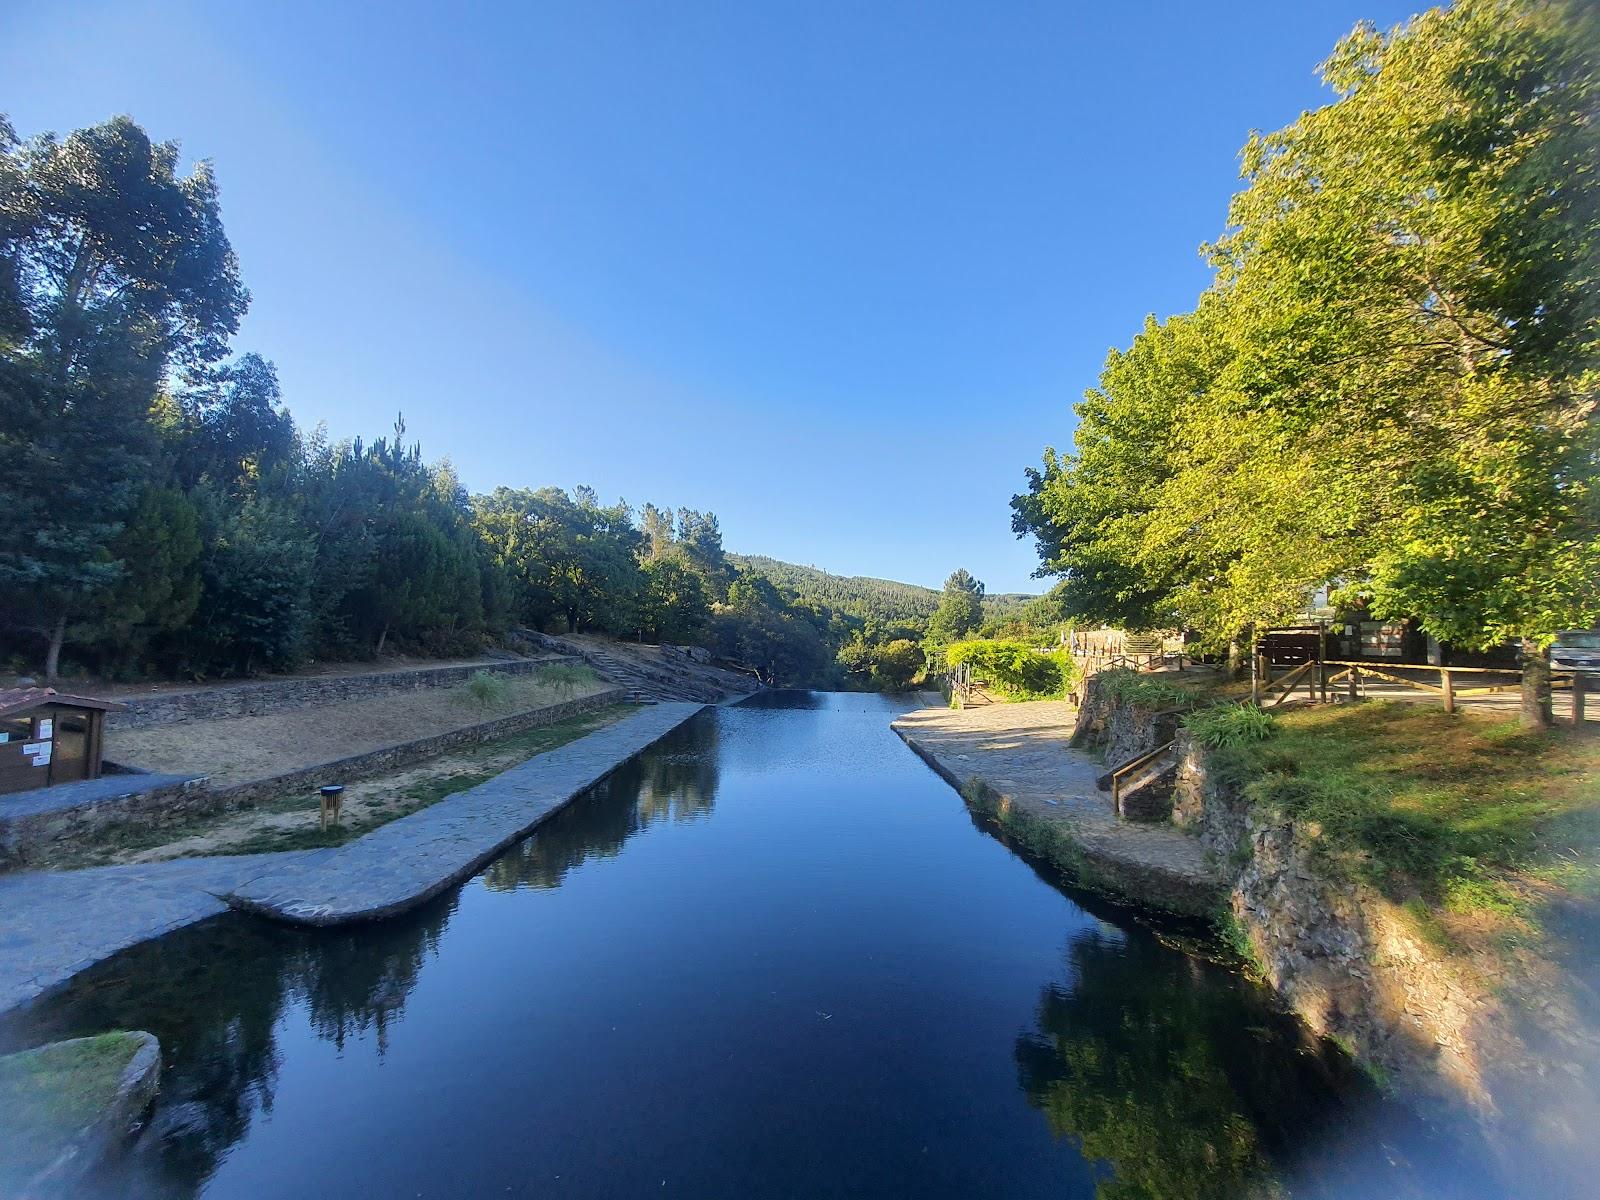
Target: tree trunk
<point x="382" y="638"/>
<point x="1235" y="659"/>
<point x="52" y="656"/>
<point x="1535" y="685"/>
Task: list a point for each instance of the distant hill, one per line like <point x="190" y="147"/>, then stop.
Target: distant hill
<point x="882" y="600"/>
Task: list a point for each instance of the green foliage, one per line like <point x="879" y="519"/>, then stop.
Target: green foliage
<point x="1226" y="725"/>
<point x="1393" y="372"/>
<point x="896" y="664"/>
<point x="1146" y="691"/>
<point x="960" y="610"/>
<point x="97" y="301"/>
<point x="1016" y="670"/>
<point x="1450" y="810"/>
<point x="566" y="678"/>
<point x="487" y="689"/>
<point x="881" y="601"/>
<point x="674" y="607"/>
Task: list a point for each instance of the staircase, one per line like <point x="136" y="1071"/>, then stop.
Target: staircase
<point x="650" y="678"/>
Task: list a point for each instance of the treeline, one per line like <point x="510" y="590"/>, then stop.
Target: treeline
<point x="1390" y="387"/>
<point x="165" y="515"/>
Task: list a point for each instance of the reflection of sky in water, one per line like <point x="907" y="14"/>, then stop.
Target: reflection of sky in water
<point x="773" y="956"/>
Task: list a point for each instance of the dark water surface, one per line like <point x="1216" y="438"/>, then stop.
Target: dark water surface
<point x="773" y="956"/>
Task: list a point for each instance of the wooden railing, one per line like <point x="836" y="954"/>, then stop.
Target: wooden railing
<point x="1120" y="775"/>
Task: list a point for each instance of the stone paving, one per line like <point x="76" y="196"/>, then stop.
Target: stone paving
<point x="54" y="924"/>
<point x="408" y="861"/>
<point x="1020" y="750"/>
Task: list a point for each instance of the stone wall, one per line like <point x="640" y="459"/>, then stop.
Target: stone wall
<point x="1340" y="955"/>
<point x="26" y="839"/>
<point x="1125" y="730"/>
<point x="278" y="695"/>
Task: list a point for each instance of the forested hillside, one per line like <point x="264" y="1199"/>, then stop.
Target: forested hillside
<point x="859" y="595"/>
<point x="166" y="515"/>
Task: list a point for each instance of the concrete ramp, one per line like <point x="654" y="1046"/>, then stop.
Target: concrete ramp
<point x="409" y="861"/>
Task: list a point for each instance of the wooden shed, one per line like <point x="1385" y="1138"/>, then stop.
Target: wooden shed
<point x="48" y="738"/>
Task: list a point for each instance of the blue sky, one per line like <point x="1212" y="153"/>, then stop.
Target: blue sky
<point x="836" y="272"/>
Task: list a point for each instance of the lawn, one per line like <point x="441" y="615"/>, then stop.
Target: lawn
<point x="1463" y="814"/>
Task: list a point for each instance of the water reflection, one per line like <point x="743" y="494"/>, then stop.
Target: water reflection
<point x="216" y="996"/>
<point x="808" y="976"/>
<point x="675" y="781"/>
<point x="1184" y="1082"/>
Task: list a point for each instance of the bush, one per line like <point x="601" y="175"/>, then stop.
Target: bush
<point x="487" y="689"/>
<point x="566" y="678"/>
<point x="1015" y="669"/>
<point x="1230" y="725"/>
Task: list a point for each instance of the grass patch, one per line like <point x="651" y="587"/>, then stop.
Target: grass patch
<point x="48" y="1095"/>
<point x="1149" y="691"/>
<point x="1453" y="814"/>
<point x="1230" y="725"/>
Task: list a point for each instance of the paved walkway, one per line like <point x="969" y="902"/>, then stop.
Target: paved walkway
<point x="1020" y="750"/>
<point x="54" y="924"/>
<point x="408" y="861"/>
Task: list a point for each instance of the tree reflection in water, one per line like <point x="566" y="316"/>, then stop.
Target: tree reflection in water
<point x="1144" y="1060"/>
<point x="215" y="994"/>
<point x="676" y="780"/>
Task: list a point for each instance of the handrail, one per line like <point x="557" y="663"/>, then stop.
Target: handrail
<point x="1130" y="766"/>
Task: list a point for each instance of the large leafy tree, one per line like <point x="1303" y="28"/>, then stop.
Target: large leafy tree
<point x="113" y="269"/>
<point x="1392" y="382"/>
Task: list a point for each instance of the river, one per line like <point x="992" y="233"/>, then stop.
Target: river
<point x="773" y="956"/>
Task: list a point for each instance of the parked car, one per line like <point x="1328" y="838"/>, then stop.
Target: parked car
<point x="1577" y="650"/>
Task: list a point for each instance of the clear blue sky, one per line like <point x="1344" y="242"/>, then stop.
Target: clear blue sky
<point x="834" y="271"/>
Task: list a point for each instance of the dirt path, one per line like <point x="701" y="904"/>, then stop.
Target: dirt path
<point x="241" y="749"/>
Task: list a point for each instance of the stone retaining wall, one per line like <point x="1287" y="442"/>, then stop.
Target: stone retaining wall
<point x="278" y="695"/>
<point x="1341" y="956"/>
<point x="26" y="838"/>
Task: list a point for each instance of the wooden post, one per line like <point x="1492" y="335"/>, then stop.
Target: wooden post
<point x="1577" y="699"/>
<point x="1448" y="687"/>
<point x="1354" y="678"/>
<point x="1255" y="679"/>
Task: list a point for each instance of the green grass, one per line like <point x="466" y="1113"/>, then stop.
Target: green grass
<point x="1230" y="725"/>
<point x="1459" y="814"/>
<point x="48" y="1095"/>
<point x="1149" y="691"/>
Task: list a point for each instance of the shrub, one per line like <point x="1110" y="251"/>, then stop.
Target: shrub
<point x="566" y="678"/>
<point x="1015" y="669"/>
<point x="1230" y="725"/>
<point x="487" y="689"/>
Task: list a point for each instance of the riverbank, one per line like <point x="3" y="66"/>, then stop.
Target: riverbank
<point x="59" y="923"/>
<point x="1013" y="762"/>
<point x="1415" y="886"/>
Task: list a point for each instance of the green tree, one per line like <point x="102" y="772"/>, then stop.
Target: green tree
<point x="1392" y="381"/>
<point x="674" y="607"/>
<point x="112" y="267"/>
<point x="160" y="584"/>
<point x="896" y="664"/>
<point x="960" y="609"/>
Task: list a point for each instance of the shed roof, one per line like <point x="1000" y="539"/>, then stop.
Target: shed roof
<point x="13" y="700"/>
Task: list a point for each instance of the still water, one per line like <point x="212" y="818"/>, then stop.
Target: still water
<point x="772" y="956"/>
